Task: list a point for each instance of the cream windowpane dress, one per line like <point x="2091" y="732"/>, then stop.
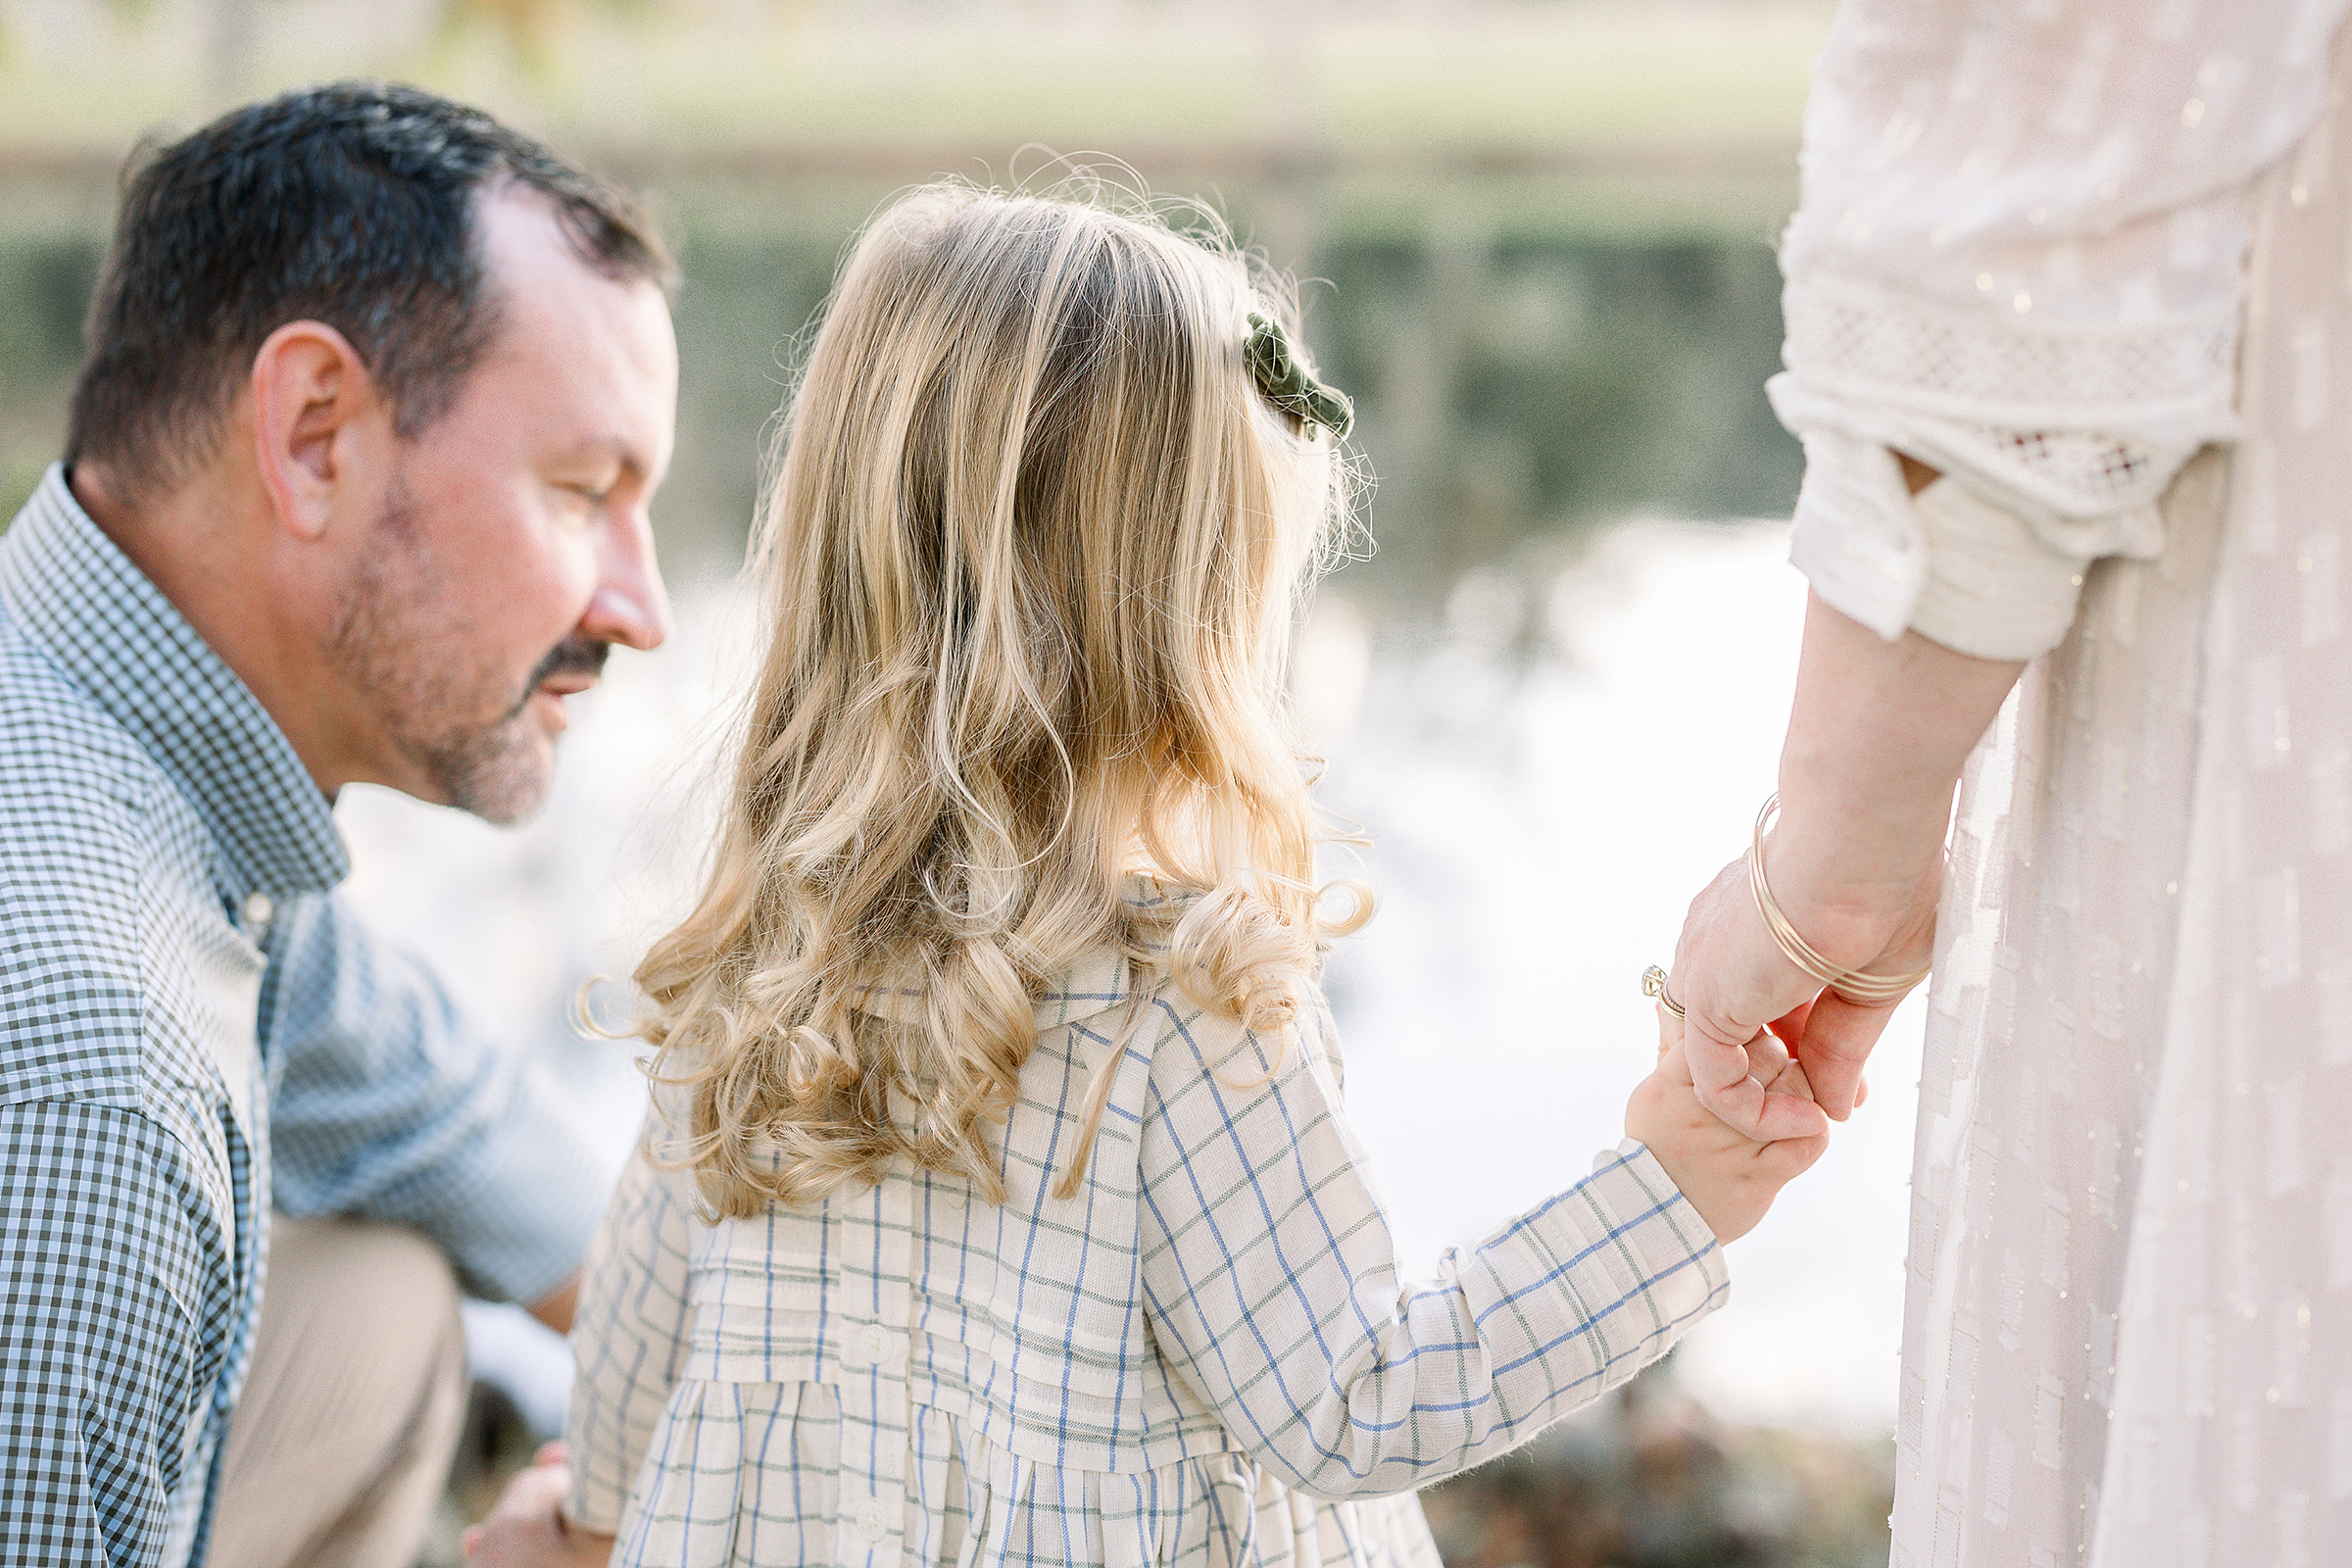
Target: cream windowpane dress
<point x="1206" y="1357"/>
<point x="2056" y="249"/>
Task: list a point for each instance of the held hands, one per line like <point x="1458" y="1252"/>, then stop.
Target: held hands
<point x="1730" y="1178"/>
<point x="527" y="1529"/>
<point x="1877" y="736"/>
<point x="1734" y="983"/>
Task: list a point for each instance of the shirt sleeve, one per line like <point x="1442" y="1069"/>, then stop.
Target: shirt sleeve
<point x="1950" y="562"/>
<point x="105" y="1352"/>
<point x="628" y="1339"/>
<point x="1271" y="1280"/>
<point x="389" y="1105"/>
<point x="2018" y="256"/>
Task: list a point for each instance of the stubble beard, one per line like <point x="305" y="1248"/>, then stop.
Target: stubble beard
<point x="397" y="643"/>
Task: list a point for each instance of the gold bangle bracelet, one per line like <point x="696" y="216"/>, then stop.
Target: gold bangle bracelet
<point x="1862" y="990"/>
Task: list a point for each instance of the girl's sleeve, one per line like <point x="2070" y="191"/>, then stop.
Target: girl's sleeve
<point x="1271" y="1281"/>
<point x="628" y="1339"/>
<point x="2018" y="256"/>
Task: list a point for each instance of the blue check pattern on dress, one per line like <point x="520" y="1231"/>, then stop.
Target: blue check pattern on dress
<point x="190" y="1028"/>
<point x="1207" y="1355"/>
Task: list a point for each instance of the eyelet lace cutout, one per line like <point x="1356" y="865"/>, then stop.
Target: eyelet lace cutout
<point x="1846" y="340"/>
<point x="2081" y="471"/>
<point x="2034" y="408"/>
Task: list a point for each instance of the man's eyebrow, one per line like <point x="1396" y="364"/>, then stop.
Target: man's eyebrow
<point x="616" y="448"/>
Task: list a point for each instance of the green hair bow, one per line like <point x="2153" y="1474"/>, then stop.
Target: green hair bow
<point x="1286" y="383"/>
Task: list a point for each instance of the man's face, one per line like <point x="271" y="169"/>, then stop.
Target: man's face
<point x="512" y="544"/>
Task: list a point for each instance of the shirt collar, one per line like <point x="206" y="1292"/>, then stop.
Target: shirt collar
<point x="115" y="634"/>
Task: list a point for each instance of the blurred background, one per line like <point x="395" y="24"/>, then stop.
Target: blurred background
<point x="1537" y="235"/>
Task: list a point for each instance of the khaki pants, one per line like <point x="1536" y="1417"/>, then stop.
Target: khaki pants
<point x="352" y="1405"/>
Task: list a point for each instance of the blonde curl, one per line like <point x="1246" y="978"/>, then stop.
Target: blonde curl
<point x="1029" y="561"/>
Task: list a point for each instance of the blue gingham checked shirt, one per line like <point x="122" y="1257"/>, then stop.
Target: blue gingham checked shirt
<point x="182" y="1008"/>
<point x="1207" y="1355"/>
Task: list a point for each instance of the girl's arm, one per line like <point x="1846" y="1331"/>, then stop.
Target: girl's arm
<point x="1273" y="1284"/>
<point x="629" y="1336"/>
<point x="629" y="1340"/>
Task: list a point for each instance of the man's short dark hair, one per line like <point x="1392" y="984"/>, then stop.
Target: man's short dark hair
<point x="351" y="205"/>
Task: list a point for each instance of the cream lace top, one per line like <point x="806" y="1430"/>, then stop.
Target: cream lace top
<point x="2018" y="256"/>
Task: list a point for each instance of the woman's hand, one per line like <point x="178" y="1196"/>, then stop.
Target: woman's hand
<point x="1877" y="738"/>
<point x="528" y="1528"/>
<point x="1734" y="983"/>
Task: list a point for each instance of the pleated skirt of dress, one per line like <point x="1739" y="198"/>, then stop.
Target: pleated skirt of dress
<point x="744" y="1474"/>
<point x="2128" y="1337"/>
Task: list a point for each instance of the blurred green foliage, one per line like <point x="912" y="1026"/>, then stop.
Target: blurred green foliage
<point x="1541" y="230"/>
<point x="46" y="275"/>
<point x="1528" y="356"/>
<point x="1520" y="369"/>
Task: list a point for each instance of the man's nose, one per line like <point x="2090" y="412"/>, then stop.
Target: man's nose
<point x="630" y="604"/>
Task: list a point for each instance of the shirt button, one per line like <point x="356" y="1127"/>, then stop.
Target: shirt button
<point x="258" y="909"/>
<point x="878" y="1342"/>
<point x="953" y="1194"/>
<point x="869" y="1519"/>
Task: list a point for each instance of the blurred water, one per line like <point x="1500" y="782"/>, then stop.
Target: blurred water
<point x="1556" y="726"/>
<point x="1548" y="771"/>
<point x="1550" y="777"/>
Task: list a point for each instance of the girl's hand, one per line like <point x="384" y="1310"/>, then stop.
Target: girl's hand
<point x="528" y="1528"/>
<point x="1731" y="1179"/>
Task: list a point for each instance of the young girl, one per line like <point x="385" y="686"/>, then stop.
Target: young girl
<point x="998" y="1203"/>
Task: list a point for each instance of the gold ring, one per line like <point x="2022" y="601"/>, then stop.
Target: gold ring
<point x="1653" y="986"/>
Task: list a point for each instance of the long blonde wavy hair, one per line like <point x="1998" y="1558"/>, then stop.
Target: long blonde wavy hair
<point x="1029" y="560"/>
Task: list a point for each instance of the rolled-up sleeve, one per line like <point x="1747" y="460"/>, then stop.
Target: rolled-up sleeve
<point x="1272" y="1283"/>
<point x="389" y="1105"/>
<point x="1950" y="562"/>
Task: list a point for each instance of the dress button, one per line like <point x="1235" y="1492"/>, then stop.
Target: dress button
<point x="258" y="908"/>
<point x="869" y="1519"/>
<point x="878" y="1342"/>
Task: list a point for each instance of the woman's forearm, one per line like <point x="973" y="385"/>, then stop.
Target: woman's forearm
<point x="1877" y="738"/>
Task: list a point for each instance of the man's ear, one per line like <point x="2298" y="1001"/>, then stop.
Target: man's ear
<point x="309" y="394"/>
